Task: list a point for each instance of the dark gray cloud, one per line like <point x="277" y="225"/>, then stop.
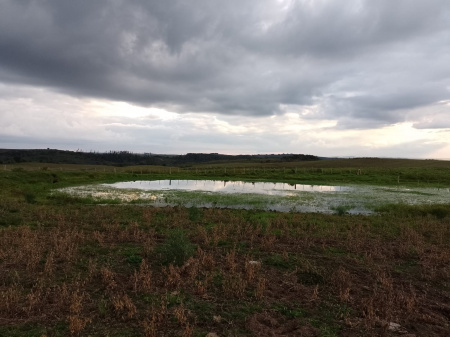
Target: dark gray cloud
<point x="364" y="63"/>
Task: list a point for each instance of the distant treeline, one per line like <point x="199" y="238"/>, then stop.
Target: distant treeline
<point x="126" y="158"/>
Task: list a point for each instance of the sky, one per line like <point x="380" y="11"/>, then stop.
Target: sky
<point x="323" y="77"/>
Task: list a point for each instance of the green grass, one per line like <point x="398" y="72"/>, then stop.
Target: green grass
<point x="291" y="310"/>
<point x="176" y="248"/>
<point x="60" y="329"/>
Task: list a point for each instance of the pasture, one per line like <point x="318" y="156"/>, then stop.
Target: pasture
<point x="71" y="266"/>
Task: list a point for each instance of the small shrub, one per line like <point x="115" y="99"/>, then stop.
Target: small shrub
<point x="290" y="312"/>
<point x="341" y="210"/>
<point x="30" y="197"/>
<point x="11" y="220"/>
<point x="277" y="260"/>
<point x="66" y="199"/>
<point x="195" y="214"/>
<point x="309" y="278"/>
<point x="134" y="260"/>
<point x="440" y="212"/>
<point x="176" y="249"/>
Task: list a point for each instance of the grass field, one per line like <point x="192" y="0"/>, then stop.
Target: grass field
<point x="72" y="268"/>
<point x="372" y="171"/>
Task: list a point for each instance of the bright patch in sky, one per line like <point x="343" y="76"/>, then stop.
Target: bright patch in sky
<point x="124" y="109"/>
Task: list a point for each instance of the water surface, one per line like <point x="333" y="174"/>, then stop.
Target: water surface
<point x="282" y="197"/>
<point x="225" y="186"/>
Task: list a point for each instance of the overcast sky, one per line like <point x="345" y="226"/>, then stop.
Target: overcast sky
<point x="323" y="77"/>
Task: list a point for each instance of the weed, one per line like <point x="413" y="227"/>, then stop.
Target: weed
<point x="218" y="280"/>
<point x="176" y="249"/>
<point x="290" y="312"/>
<point x="11" y="220"/>
<point x="341" y="210"/>
<point x="173" y="276"/>
<point x="235" y="285"/>
<point x="309" y="278"/>
<point x="142" y="279"/>
<point x="195" y="214"/>
<point x="278" y="260"/>
<point x="123" y="306"/>
<point x="260" y="288"/>
<point x="134" y="260"/>
<point x="30" y="197"/>
<point x="27" y="329"/>
<point x="440" y="212"/>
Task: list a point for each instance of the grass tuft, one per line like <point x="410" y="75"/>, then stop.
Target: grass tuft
<point x="176" y="248"/>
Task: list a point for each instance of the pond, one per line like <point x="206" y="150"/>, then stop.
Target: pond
<point x="282" y="197"/>
<point x="224" y="186"/>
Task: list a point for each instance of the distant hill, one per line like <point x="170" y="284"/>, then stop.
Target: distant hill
<point x="126" y="158"/>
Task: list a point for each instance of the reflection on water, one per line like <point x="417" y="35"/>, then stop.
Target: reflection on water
<point x="282" y="197"/>
<point x="226" y="186"/>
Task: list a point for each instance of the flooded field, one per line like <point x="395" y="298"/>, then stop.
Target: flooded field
<point x="224" y="186"/>
<point x="282" y="197"/>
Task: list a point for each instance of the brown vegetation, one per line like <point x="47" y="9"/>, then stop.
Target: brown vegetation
<point x="96" y="270"/>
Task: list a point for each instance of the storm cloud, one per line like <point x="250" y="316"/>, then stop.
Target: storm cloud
<point x="364" y="64"/>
